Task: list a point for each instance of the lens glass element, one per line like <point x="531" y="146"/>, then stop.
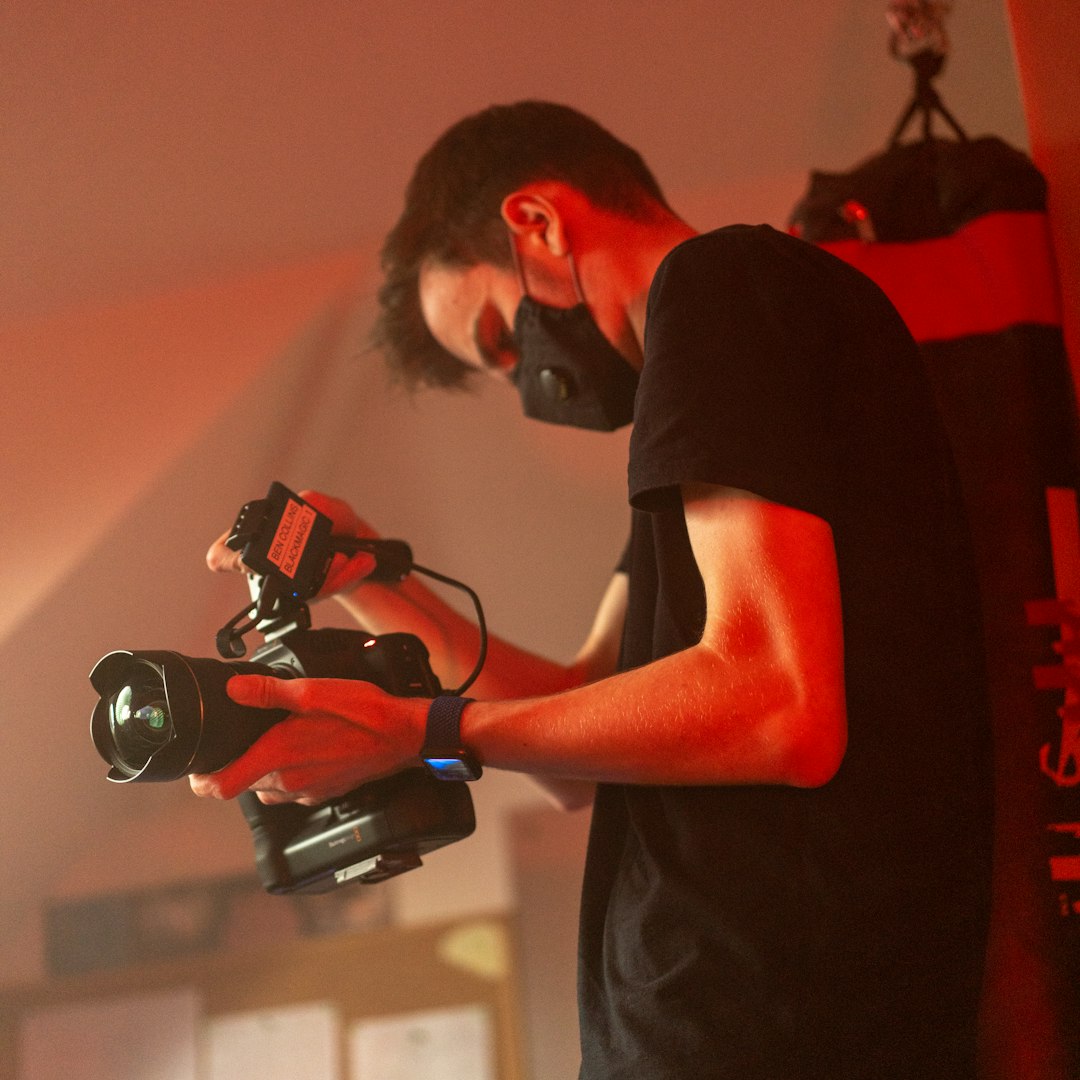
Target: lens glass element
<point x="139" y="719"/>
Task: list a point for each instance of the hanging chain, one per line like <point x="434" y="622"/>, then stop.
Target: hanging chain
<point x="918" y="37"/>
<point x="918" y="27"/>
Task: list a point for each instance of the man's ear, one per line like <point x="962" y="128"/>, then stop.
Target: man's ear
<point x="536" y="217"/>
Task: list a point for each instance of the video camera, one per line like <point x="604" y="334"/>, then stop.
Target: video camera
<point x="162" y="715"/>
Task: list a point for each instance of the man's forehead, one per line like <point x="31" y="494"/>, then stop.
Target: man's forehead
<point x="449" y="300"/>
<point x="449" y="283"/>
<point x="454" y="300"/>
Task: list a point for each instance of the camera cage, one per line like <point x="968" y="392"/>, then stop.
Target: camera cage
<point x="380" y="828"/>
<point x="288" y="546"/>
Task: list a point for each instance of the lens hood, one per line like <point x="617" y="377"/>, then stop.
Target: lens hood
<point x="208" y="729"/>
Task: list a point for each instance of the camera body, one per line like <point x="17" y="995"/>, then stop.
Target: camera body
<point x="380" y="828"/>
<point x="162" y="715"/>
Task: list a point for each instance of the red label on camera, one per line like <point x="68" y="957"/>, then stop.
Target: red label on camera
<point x="291" y="537"/>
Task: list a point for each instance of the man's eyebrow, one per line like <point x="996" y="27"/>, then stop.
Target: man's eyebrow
<point x="487" y="357"/>
<point x="482" y="350"/>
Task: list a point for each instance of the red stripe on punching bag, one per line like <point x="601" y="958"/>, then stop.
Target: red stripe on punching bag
<point x="995" y="272"/>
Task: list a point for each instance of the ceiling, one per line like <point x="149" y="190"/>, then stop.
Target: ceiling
<point x="146" y="146"/>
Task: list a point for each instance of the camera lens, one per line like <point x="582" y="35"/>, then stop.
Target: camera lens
<point x="139" y="719"/>
<point x="162" y="715"/>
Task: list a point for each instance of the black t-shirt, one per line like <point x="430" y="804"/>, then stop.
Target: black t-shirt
<point x="764" y="931"/>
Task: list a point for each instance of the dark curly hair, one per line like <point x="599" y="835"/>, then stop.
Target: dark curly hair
<point x="452" y="212"/>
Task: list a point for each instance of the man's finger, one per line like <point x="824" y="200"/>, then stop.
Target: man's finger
<point x="262" y="691"/>
<point x="235" y="778"/>
<point x="223" y="559"/>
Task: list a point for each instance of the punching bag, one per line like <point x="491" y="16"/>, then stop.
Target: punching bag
<point x="955" y="233"/>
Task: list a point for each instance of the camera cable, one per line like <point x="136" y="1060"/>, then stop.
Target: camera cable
<point x="393" y="562"/>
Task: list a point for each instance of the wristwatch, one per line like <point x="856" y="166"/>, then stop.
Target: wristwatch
<point x="443" y="753"/>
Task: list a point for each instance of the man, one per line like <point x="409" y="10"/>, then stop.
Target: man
<point x="781" y="701"/>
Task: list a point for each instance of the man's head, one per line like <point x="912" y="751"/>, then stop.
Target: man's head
<point x="453" y="215"/>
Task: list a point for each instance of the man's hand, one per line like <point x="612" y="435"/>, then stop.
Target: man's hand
<point x="341" y="732"/>
<point x="345" y="572"/>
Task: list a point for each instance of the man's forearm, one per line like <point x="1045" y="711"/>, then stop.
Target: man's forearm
<point x="691" y="718"/>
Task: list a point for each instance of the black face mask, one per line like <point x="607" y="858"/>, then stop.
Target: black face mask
<point x="567" y="371"/>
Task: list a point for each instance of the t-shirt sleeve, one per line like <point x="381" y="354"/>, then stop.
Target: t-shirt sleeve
<point x="734" y="390"/>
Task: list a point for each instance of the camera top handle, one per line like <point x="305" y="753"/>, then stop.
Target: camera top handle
<point x="288" y="547"/>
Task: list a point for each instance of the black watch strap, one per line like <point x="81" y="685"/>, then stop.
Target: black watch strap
<point x="443" y="753"/>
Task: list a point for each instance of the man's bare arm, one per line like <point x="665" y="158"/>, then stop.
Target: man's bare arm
<point x="758" y="700"/>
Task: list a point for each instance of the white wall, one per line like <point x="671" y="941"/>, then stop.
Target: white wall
<point x="193" y="200"/>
